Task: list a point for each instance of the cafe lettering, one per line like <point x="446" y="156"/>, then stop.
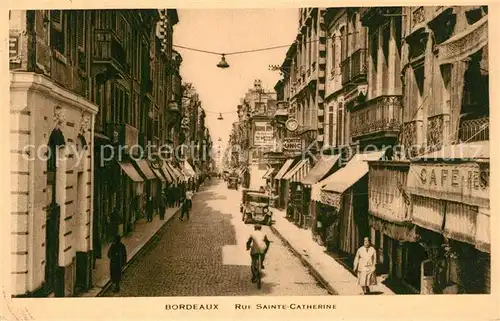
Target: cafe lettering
<point x="464" y="183"/>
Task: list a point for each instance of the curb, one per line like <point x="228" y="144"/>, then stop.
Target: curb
<point x="314" y="272"/>
<point x="138" y="253"/>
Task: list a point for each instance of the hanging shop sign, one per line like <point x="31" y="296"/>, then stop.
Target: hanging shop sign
<point x="463" y="183"/>
<point x="292" y="124"/>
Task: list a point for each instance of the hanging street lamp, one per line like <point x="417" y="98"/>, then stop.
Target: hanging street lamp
<point x="220" y="117"/>
<point x="222" y="63"/>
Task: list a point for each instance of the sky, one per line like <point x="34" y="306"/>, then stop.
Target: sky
<point x="230" y="30"/>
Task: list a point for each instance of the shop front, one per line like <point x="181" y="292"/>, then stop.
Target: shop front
<point x="450" y="204"/>
<point x="345" y="192"/>
<point x="392" y="232"/>
<point x="297" y="194"/>
<point x="132" y="197"/>
<point x="281" y="185"/>
<point x="324" y="167"/>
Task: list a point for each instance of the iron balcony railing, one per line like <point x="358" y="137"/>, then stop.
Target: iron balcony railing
<point x="381" y="115"/>
<point x="474" y="130"/>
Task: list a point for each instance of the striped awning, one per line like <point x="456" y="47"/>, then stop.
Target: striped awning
<point x="158" y="174"/>
<point x="284" y="169"/>
<point x="166" y="173"/>
<point x="298" y="171"/>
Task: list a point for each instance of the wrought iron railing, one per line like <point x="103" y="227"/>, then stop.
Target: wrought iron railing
<point x="474" y="130"/>
<point x="381" y="114"/>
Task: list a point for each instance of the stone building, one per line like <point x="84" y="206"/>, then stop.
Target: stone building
<point x="52" y="129"/>
<point x="82" y="89"/>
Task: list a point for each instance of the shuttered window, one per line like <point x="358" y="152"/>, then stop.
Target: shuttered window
<point x="57" y="32"/>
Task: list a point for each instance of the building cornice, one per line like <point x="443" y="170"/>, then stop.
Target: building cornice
<point x="20" y="81"/>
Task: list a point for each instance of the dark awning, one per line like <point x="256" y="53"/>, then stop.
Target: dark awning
<point x="319" y="171"/>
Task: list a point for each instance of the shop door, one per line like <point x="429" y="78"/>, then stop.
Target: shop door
<point x="52" y="251"/>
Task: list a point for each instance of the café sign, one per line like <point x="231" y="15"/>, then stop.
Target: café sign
<point x="463" y="183"/>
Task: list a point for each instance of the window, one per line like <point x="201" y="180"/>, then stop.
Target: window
<point x="354" y="34"/>
<point x="386" y="36"/>
<point x="57" y="31"/>
<point x="343" y="42"/>
<point x="340" y="125"/>
<point x="373" y="45"/>
<point x="330" y="125"/>
<point x="334" y="56"/>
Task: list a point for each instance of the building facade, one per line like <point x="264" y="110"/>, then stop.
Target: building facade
<point x="96" y="91"/>
<point x="439" y="221"/>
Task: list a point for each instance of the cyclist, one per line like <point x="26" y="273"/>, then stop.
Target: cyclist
<point x="258" y="244"/>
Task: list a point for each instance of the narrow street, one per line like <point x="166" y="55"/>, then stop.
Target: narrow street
<point x="206" y="256"/>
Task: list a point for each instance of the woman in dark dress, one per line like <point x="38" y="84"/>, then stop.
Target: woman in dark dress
<point x="117" y="255"/>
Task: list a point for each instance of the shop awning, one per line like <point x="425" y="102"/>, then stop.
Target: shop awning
<point x="319" y="170"/>
<point x="355" y="169"/>
<point x="158" y="174"/>
<point x="284" y="169"/>
<point x="166" y="173"/>
<point x="242" y="171"/>
<point x="188" y="169"/>
<point x="268" y="173"/>
<point x="145" y="169"/>
<point x="298" y="171"/>
<point x="345" y="177"/>
<point x="129" y="169"/>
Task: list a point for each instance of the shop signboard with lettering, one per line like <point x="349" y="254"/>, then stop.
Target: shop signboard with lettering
<point x="263" y="134"/>
<point x="466" y="183"/>
<point x="292" y="145"/>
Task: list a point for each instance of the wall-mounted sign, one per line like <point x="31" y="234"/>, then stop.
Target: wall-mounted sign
<point x="292" y="144"/>
<point x="263" y="134"/>
<point x="463" y="183"/>
<point x="292" y="124"/>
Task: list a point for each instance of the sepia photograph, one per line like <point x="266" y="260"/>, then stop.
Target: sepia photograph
<point x="206" y="152"/>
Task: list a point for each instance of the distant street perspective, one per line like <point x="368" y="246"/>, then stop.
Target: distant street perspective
<point x="206" y="256"/>
<point x="308" y="151"/>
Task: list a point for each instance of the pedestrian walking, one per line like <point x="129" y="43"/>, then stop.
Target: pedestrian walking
<point x="364" y="264"/>
<point x="150" y="209"/>
<point x="162" y="206"/>
<point x="117" y="255"/>
<point x="186" y="205"/>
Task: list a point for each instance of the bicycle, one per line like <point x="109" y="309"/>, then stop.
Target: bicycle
<point x="257" y="270"/>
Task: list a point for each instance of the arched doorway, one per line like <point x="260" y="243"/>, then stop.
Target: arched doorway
<point x="52" y="270"/>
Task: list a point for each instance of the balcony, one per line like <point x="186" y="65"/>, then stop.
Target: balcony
<point x="354" y="68"/>
<point x="378" y="117"/>
<point x="108" y="52"/>
<point x="474" y="130"/>
<point x="123" y="134"/>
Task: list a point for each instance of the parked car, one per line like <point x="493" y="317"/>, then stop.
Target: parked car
<point x="232" y="183"/>
<point x="255" y="207"/>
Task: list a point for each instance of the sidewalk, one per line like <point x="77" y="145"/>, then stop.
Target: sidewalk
<point x="142" y="234"/>
<point x="335" y="277"/>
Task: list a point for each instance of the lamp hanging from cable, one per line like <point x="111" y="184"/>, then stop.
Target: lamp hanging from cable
<point x="222" y="63"/>
<point x="220" y="117"/>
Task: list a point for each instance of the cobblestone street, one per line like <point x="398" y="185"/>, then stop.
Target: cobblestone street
<point x="206" y="256"/>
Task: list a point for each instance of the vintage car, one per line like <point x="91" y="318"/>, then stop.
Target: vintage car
<point x="255" y="207"/>
<point x="232" y="182"/>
